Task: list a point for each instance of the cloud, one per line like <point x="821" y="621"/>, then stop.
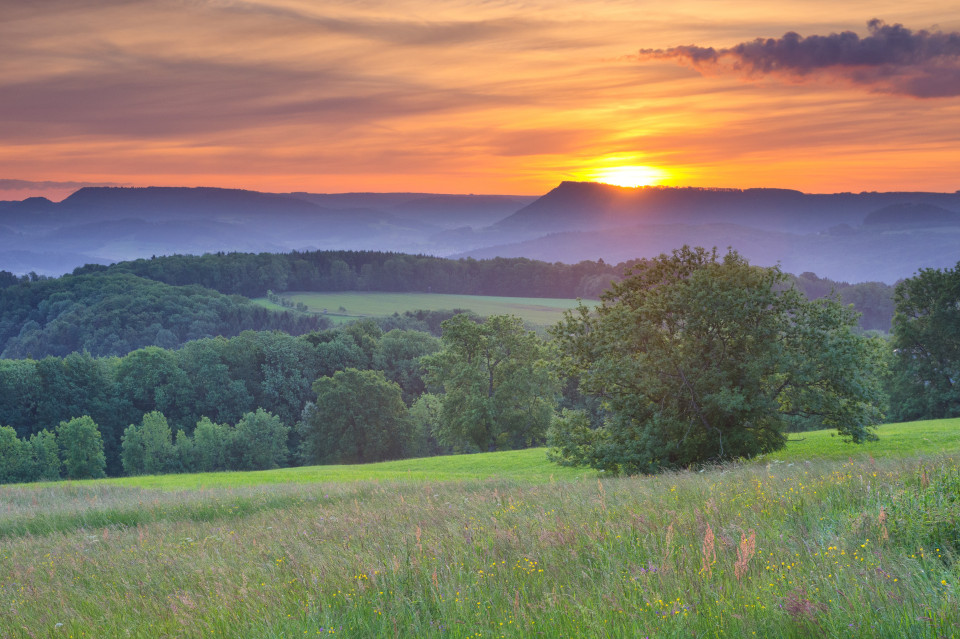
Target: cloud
<point x="155" y="97"/>
<point x="891" y="59"/>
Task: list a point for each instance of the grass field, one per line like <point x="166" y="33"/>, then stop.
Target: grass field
<point x="356" y="304"/>
<point x="823" y="539"/>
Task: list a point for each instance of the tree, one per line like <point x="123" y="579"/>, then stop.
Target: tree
<point x="153" y="381"/>
<point x="210" y="445"/>
<point x="698" y="358"/>
<point x="184" y="453"/>
<point x="398" y="356"/>
<point x="81" y="448"/>
<point x="926" y="342"/>
<point x="426" y="419"/>
<point x="157" y="437"/>
<point x="14" y="457"/>
<point x="44" y="456"/>
<point x="147" y="447"/>
<point x="260" y="441"/>
<point x="499" y="390"/>
<point x="131" y="450"/>
<point x="359" y="416"/>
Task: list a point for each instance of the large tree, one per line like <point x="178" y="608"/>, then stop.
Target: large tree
<point x="147" y="447"/>
<point x="499" y="389"/>
<point x="359" y="416"/>
<point x="260" y="441"/>
<point x="81" y="448"/>
<point x="926" y="339"/>
<point x="698" y="357"/>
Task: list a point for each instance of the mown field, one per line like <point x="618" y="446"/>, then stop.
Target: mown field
<point x="351" y="305"/>
<point x="824" y="539"/>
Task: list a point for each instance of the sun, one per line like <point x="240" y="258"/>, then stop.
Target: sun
<point x="632" y="176"/>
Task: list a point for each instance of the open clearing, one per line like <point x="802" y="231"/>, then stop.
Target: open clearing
<point x="825" y="539"/>
<point x="351" y="305"/>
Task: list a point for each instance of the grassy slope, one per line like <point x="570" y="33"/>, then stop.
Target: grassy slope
<point x="365" y="304"/>
<point x="860" y="545"/>
<point x="895" y="440"/>
<point x="529" y="465"/>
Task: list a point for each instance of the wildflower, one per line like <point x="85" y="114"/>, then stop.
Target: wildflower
<point x="708" y="551"/>
<point x="746" y="550"/>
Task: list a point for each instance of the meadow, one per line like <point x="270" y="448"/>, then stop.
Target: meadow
<point x="352" y="305"/>
<point x="823" y="539"/>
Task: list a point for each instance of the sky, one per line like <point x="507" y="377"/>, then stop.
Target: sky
<point x="475" y="96"/>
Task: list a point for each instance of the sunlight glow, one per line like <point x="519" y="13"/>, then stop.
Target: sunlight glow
<point x="631" y="176"/>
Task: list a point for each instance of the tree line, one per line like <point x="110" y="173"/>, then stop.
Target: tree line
<point x="253" y="274"/>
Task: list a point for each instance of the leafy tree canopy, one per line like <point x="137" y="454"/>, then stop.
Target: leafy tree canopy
<point x="500" y="391"/>
<point x="926" y="339"/>
<point x="81" y="449"/>
<point x="359" y="416"/>
<point x="700" y="358"/>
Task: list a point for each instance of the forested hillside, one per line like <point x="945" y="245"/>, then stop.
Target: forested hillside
<point x="253" y="275"/>
<point x="114" y="313"/>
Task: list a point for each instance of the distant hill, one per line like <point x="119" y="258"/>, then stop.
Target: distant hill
<point x="444" y="211"/>
<point x="591" y="206"/>
<point x="862" y="255"/>
<point x="104" y="224"/>
<point x="913" y="214"/>
<point x="847" y="236"/>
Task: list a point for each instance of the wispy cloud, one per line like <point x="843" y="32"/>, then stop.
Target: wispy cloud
<point x="472" y="95"/>
<point x="892" y="59"/>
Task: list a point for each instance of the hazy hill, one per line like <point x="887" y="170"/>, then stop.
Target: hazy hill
<point x="846" y="236"/>
<point x="591" y="206"/>
<point x="105" y="224"/>
<point x="913" y="214"/>
<point x="858" y="255"/>
<point x="444" y="211"/>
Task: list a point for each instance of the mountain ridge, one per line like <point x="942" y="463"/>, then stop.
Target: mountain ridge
<point x="808" y="231"/>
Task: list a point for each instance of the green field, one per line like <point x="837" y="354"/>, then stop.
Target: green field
<point x="822" y="540"/>
<point x="356" y="305"/>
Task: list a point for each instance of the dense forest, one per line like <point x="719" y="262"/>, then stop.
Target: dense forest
<point x="115" y="313"/>
<point x="218" y="378"/>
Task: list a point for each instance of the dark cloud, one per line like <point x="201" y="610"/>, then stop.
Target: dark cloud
<point x="892" y="59"/>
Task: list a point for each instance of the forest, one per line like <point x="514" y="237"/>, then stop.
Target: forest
<point x="165" y="356"/>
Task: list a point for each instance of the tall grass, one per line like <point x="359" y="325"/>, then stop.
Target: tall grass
<point x="864" y="546"/>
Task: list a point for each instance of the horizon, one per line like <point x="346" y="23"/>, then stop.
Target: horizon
<point x="475" y="97"/>
<point x="61" y="198"/>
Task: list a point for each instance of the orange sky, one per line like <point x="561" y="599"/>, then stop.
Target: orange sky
<point x="463" y="96"/>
